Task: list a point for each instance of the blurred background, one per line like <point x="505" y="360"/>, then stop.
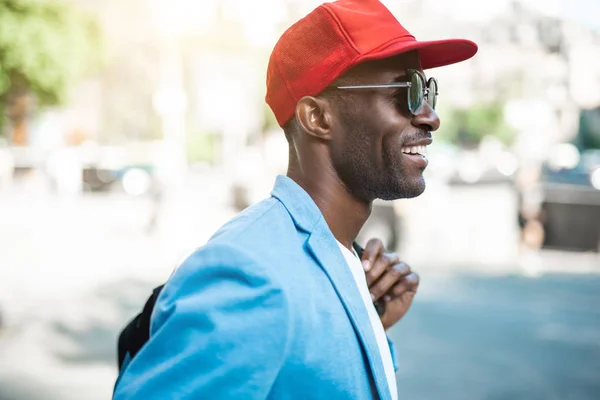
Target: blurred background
<point x="131" y="130"/>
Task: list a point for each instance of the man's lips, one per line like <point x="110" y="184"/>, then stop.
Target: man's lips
<point x="420" y="160"/>
<point x="416" y="152"/>
<point x="420" y="142"/>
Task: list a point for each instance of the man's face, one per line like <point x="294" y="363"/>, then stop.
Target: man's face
<point x="374" y="132"/>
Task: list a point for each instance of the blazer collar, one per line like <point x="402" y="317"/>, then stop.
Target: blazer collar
<point x="298" y="202"/>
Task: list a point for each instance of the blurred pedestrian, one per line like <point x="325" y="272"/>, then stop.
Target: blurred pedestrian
<point x="278" y="304"/>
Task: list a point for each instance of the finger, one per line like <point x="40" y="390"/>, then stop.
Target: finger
<point x="384" y="262"/>
<point x="372" y="250"/>
<point x="391" y="277"/>
<point x="409" y="284"/>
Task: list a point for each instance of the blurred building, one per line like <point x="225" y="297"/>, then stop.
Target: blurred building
<point x="189" y="76"/>
<point x="208" y="60"/>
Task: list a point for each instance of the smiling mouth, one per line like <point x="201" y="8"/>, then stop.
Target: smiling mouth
<point x="416" y="150"/>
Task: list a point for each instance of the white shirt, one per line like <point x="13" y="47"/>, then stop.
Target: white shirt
<point x="361" y="282"/>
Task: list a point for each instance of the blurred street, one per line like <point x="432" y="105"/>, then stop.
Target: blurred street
<point x="73" y="271"/>
<point x="501" y="338"/>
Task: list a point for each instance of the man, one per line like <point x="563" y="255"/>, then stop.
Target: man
<point x="276" y="305"/>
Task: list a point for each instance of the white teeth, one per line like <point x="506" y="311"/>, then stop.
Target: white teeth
<point x="415" y="150"/>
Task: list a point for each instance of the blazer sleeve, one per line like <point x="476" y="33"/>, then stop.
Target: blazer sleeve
<point x="219" y="330"/>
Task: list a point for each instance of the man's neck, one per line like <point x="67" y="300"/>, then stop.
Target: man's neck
<point x="343" y="212"/>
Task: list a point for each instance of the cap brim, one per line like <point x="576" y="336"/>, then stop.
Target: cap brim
<point x="433" y="54"/>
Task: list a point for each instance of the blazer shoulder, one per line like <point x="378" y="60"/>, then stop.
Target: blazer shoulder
<point x="257" y="228"/>
<point x="217" y="269"/>
<point x="220" y="255"/>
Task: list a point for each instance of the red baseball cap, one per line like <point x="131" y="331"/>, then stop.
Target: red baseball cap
<point x="337" y="36"/>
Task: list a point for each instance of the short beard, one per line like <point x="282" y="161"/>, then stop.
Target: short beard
<point x="397" y="186"/>
<point x="368" y="181"/>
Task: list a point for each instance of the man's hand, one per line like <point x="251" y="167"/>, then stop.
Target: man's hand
<point x="390" y="281"/>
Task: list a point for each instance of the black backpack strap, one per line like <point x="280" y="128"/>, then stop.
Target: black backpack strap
<point x="137" y="332"/>
<point x="359" y="250"/>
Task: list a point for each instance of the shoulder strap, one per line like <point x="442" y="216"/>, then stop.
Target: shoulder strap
<point x="137" y="332"/>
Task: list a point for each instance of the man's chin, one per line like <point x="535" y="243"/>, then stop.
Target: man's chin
<point x="413" y="193"/>
<point x="416" y="192"/>
<point x="406" y="190"/>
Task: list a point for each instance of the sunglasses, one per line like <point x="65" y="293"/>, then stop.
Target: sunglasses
<point x="419" y="90"/>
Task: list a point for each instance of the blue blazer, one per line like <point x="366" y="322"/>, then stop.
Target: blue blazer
<point x="267" y="309"/>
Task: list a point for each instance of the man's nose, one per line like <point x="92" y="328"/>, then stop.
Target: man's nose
<point x="426" y="118"/>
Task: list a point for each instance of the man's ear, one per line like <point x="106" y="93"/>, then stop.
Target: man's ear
<point x="314" y="116"/>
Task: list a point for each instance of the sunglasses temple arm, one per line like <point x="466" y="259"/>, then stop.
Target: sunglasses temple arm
<point x="392" y="85"/>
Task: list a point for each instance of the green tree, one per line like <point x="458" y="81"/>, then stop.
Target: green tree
<point x="45" y="47"/>
<point x="467" y="127"/>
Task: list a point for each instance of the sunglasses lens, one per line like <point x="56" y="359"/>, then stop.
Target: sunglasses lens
<point x="415" y="93"/>
<point x="432" y="95"/>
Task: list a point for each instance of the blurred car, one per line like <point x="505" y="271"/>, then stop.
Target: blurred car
<point x="571" y="189"/>
<point x="570" y="206"/>
<point x="118" y="169"/>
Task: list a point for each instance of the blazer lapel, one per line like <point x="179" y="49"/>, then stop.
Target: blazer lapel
<point x="326" y="252"/>
<point x="323" y="247"/>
